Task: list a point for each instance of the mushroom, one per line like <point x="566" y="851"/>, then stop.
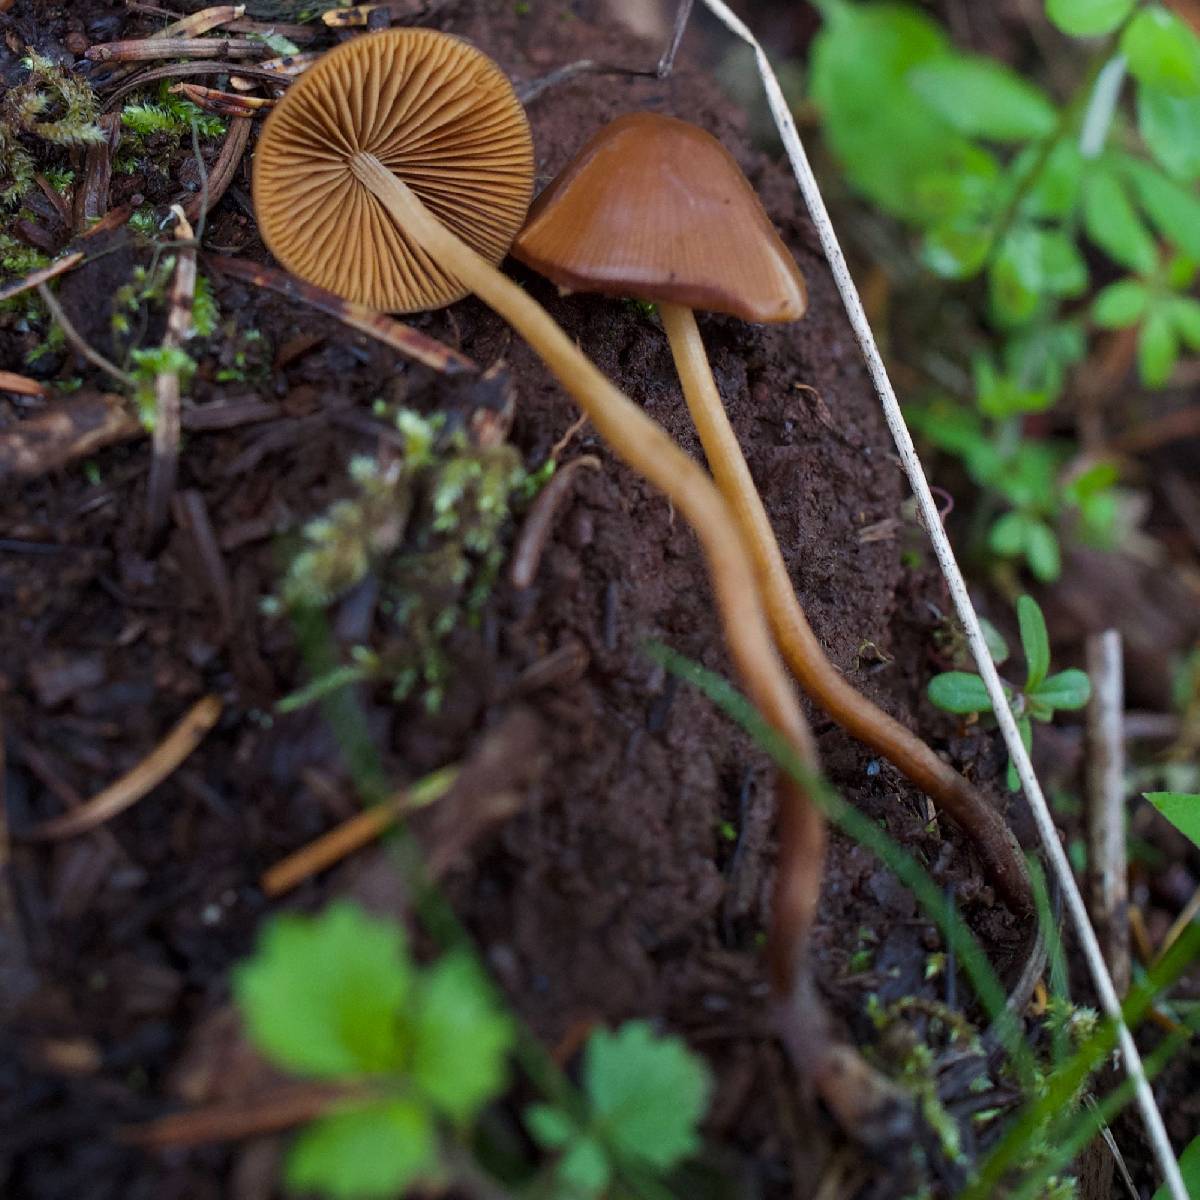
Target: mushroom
<point x="657" y="209"/>
<point x="395" y="172"/>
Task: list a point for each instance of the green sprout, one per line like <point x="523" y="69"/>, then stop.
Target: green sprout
<point x="1042" y="694"/>
<point x="420" y="1049"/>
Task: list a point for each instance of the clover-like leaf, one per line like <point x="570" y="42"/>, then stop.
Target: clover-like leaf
<point x="460" y="1038"/>
<point x="322" y="995"/>
<point x="373" y="1152"/>
<point x="1121" y="304"/>
<point x="647" y="1094"/>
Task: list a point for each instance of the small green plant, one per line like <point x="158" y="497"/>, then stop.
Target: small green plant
<point x="1042" y="694"/>
<point x="645" y="1096"/>
<point x="420" y="1049"/>
<point x="1001" y="182"/>
<point x="146" y="366"/>
<point x="428" y="524"/>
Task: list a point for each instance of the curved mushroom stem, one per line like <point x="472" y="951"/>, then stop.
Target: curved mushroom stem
<point x="802" y="651"/>
<point x="648" y="449"/>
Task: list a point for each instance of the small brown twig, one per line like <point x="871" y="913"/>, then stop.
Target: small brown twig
<point x="540" y="519"/>
<point x="91" y="196"/>
<point x="20" y="385"/>
<point x="57" y="201"/>
<point x="403" y="338"/>
<point x="191" y="514"/>
<point x="76" y="342"/>
<point x="132" y="786"/>
<point x="164" y="465"/>
<point x="1107" y="862"/>
<point x="360" y="830"/>
<point x="42" y="275"/>
<point x="223" y="170"/>
<point x="271" y="1112"/>
<point x="285" y="69"/>
<point x="568" y="437"/>
<point x="65" y="433"/>
<point x="204" y="21"/>
<point x="368" y="14"/>
<point x="223" y="104"/>
<point x="142" y="49"/>
<point x="183" y="70"/>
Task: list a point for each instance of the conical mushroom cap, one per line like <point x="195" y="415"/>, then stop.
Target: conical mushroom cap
<point x="656" y="209"/>
<point x="437" y="113"/>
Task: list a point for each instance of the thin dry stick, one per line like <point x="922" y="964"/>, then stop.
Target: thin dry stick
<point x="204" y="21"/>
<point x="76" y="342"/>
<point x="141" y="49"/>
<point x="224" y="104"/>
<point x="957" y="585"/>
<point x="164" y="465"/>
<point x="43" y="275"/>
<point x="223" y="169"/>
<point x="403" y="338"/>
<point x="1106" y="802"/>
<point x="1190" y="911"/>
<point x="527" y="553"/>
<point x="352" y="835"/>
<point x="20" y="385"/>
<point x="135" y="784"/>
<point x="64" y="433"/>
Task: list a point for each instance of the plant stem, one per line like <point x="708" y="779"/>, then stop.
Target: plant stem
<point x="802" y="651"/>
<point x="648" y="449"/>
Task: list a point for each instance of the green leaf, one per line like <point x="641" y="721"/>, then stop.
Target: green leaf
<point x="460" y="1038"/>
<point x="321" y="995"/>
<point x="1170" y="127"/>
<point x="954" y="251"/>
<point x="585" y="1168"/>
<point x="884" y="135"/>
<point x="1044" y="261"/>
<point x="1039" y="358"/>
<point x="982" y="98"/>
<point x="1042" y="552"/>
<point x="1120" y="305"/>
<point x="1068" y="690"/>
<point x="361" y="1153"/>
<point x="1163" y="51"/>
<point x="997" y="646"/>
<point x="1172" y="207"/>
<point x="1189" y="1167"/>
<point x="959" y="692"/>
<point x="1158" y="348"/>
<point x="1184" y="312"/>
<point x="1114" y="225"/>
<point x="550" y="1126"/>
<point x="1008" y="534"/>
<point x="1182" y="809"/>
<point x="1054" y="193"/>
<point x="1088" y="18"/>
<point x="1035" y="641"/>
<point x="1025" y="729"/>
<point x="647" y="1093"/>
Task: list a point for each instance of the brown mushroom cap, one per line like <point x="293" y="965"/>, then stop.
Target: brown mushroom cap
<point x="657" y="209"/>
<point x="437" y="113"/>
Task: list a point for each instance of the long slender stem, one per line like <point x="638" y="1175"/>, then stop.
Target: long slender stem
<point x="800" y="647"/>
<point x="649" y="450"/>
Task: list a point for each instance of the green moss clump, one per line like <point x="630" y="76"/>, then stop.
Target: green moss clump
<point x="428" y="525"/>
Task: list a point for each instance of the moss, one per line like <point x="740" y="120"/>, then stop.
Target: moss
<point x="428" y="525"/>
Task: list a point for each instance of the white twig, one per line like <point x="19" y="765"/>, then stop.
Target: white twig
<point x="1106" y="801"/>
<point x="962" y="600"/>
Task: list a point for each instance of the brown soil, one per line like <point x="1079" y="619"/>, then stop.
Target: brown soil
<point x="613" y="891"/>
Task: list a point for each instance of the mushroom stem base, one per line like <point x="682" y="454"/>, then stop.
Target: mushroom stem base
<point x="649" y="450"/>
<point x="802" y="651"/>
